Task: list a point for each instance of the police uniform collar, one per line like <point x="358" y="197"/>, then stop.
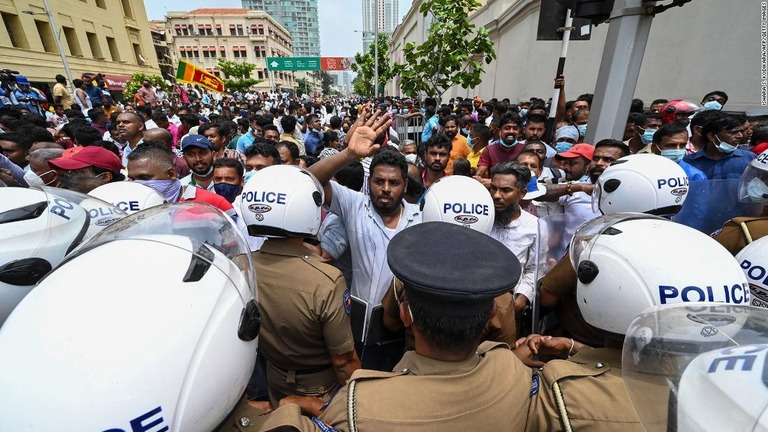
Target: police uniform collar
<point x="286" y="248"/>
<point x="421" y="365"/>
<point x="592" y="356"/>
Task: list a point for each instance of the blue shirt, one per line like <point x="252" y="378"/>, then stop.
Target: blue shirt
<point x="312" y="141"/>
<point x="731" y="166"/>
<point x="692" y="172"/>
<point x="427" y="132"/>
<point x="246" y="140"/>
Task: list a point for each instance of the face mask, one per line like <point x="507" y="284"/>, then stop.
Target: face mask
<point x="757" y="190"/>
<point x="563" y="146"/>
<point x="248" y="175"/>
<point x="724" y="147"/>
<point x="411" y="158"/>
<point x="205" y="174"/>
<point x="508" y="144"/>
<point x="647" y="136"/>
<point x="713" y="105"/>
<point x="582" y="130"/>
<point x="465" y="131"/>
<point x="675" y="155"/>
<point x="226" y="190"/>
<point x="523" y="112"/>
<point x="34" y="180"/>
<point x="169" y="189"/>
<point x="469" y="141"/>
<point x="403" y="111"/>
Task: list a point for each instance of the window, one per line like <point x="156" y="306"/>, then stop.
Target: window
<point x="74" y="45"/>
<point x="240" y="30"/>
<point x="183" y="52"/>
<point x="137" y="53"/>
<point x="127" y="11"/>
<point x="93" y="42"/>
<point x="113" y="51"/>
<point x="232" y="31"/>
<point x="101" y="4"/>
<point x="177" y="28"/>
<point x="260" y="75"/>
<point x="218" y="29"/>
<point x="223" y="51"/>
<point x="15" y="30"/>
<point x="195" y="52"/>
<point x="46" y="36"/>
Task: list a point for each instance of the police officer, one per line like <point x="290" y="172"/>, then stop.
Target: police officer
<point x="452" y="381"/>
<point x="753" y="188"/>
<point x="621" y="273"/>
<point x="306" y="334"/>
<point x="638" y="183"/>
<point x="465" y="202"/>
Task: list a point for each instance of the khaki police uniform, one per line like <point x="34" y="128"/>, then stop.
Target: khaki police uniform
<point x="562" y="282"/>
<point x="304" y="320"/>
<point x="502" y="327"/>
<point x="741" y="231"/>
<point x="583" y="393"/>
<point x="487" y="392"/>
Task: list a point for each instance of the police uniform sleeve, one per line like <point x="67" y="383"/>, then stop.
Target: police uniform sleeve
<point x="337" y="330"/>
<point x="738" y="232"/>
<point x="561" y="280"/>
<point x="503" y="327"/>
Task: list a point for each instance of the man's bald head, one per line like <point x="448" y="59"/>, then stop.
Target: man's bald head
<point x="159" y="134"/>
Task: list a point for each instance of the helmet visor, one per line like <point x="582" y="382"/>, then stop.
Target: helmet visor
<point x="753" y="186"/>
<point x="663" y="354"/>
<point x="101" y="213"/>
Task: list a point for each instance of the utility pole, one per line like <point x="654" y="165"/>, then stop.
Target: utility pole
<point x="57" y="36"/>
<point x="376" y="52"/>
<point x="625" y="44"/>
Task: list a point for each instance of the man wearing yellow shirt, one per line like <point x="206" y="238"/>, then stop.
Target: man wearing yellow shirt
<point x="479" y="137"/>
<point x="60" y="93"/>
<point x="460" y="147"/>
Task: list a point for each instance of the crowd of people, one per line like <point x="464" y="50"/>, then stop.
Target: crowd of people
<point x="350" y="215"/>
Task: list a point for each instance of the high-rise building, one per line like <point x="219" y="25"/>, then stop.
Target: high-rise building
<point x="379" y="13"/>
<point x="299" y="17"/>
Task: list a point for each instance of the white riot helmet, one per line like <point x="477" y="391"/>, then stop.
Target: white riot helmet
<point x="101" y="214"/>
<point x="753" y="186"/>
<point x="642" y="183"/>
<point x="167" y="338"/>
<point x="282" y="201"/>
<point x="753" y="259"/>
<point x="37" y="230"/>
<point x="628" y="262"/>
<point x="459" y="200"/>
<point x="698" y="367"/>
<point x="128" y="196"/>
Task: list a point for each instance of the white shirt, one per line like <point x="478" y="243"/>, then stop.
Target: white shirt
<point x="577" y="209"/>
<point x="188" y="180"/>
<point x="368" y="240"/>
<point x="545" y="208"/>
<point x="519" y="236"/>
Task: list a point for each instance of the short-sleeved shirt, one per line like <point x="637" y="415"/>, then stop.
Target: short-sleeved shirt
<point x="460" y="149"/>
<point x="496" y="154"/>
<point x="519" y="236"/>
<point x="368" y="240"/>
<point x="301" y="297"/>
<point x="190" y="181"/>
<point x="426" y="133"/>
<point x="577" y="209"/>
<point x="59" y="90"/>
<point x="474" y="156"/>
<point x="731" y="166"/>
<point x="246" y="140"/>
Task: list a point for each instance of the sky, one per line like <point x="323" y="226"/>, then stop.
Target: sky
<point x="338" y="19"/>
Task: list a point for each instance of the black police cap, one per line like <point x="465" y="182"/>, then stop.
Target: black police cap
<point x="454" y="268"/>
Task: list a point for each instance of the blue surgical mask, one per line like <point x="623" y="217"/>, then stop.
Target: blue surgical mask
<point x="508" y="144"/>
<point x="713" y="105"/>
<point x="647" y="136"/>
<point x="675" y="155"/>
<point x="582" y="130"/>
<point x="465" y="132"/>
<point x="523" y="112"/>
<point x="227" y="191"/>
<point x="403" y="111"/>
<point x="248" y="175"/>
<point x="169" y="189"/>
<point x="724" y="147"/>
<point x="469" y="141"/>
<point x="563" y="146"/>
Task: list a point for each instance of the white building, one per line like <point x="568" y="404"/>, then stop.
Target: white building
<point x="381" y="13"/>
<point x="689" y="53"/>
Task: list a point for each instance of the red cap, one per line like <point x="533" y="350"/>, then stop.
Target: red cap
<point x="81" y="157"/>
<point x="760" y="147"/>
<point x="579" y="150"/>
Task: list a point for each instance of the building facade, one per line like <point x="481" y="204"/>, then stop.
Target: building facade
<point x="162" y="51"/>
<point x="98" y="36"/>
<point x="203" y="36"/>
<point x="383" y="14"/>
<point x="674" y="66"/>
<point x="299" y="17"/>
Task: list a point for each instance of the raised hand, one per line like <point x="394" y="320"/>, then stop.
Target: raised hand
<point x="363" y="135"/>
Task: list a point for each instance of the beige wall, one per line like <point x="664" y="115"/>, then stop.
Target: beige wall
<point x="704" y="45"/>
<point x="276" y="41"/>
<point x="37" y="57"/>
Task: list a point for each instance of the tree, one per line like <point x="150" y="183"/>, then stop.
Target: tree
<point x="361" y="86"/>
<point x="365" y="64"/>
<point x="452" y="54"/>
<point x="326" y="82"/>
<point x="132" y="86"/>
<point x="303" y="87"/>
<point x="238" y="75"/>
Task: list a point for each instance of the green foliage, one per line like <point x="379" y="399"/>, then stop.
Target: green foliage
<point x="327" y="80"/>
<point x="135" y="84"/>
<point x="453" y="53"/>
<point x="239" y="75"/>
<point x="303" y="87"/>
<point x="365" y="64"/>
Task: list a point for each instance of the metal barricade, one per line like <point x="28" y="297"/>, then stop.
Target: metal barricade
<point x="409" y="128"/>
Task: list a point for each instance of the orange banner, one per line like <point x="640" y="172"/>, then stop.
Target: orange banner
<point x="335" y="63"/>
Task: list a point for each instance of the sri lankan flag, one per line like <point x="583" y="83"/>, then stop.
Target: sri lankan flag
<point x="189" y="73"/>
